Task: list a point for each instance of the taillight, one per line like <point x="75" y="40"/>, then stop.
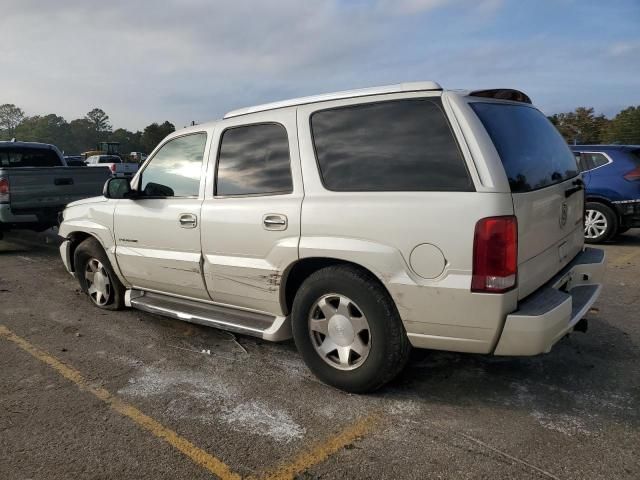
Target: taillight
<point x="633" y="175"/>
<point x="4" y="190"/>
<point x="113" y="167"/>
<point x="495" y="255"/>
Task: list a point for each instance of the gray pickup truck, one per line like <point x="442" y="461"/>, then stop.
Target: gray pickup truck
<point x="36" y="184"/>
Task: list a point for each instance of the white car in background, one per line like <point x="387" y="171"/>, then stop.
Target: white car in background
<point x="361" y="223"/>
<point x="114" y="163"/>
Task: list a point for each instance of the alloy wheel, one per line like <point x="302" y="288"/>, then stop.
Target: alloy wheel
<point x="339" y="331"/>
<point x="98" y="282"/>
<point x="595" y="224"/>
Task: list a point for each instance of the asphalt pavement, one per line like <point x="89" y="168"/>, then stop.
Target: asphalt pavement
<point x="90" y="394"/>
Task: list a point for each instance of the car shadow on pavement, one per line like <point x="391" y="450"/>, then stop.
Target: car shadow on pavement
<point x="583" y="376"/>
<point x="628" y="238"/>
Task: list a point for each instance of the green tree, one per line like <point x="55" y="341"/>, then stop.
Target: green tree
<point x="580" y="126"/>
<point x="10" y="117"/>
<point x="154" y="133"/>
<point x="49" y="128"/>
<point x="82" y="136"/>
<point x="100" y="121"/>
<point x="625" y="127"/>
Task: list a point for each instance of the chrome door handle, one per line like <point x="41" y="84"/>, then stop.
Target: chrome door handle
<point x="274" y="221"/>
<point x="188" y="220"/>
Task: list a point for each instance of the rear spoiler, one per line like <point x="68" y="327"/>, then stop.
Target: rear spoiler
<point x="502" y="94"/>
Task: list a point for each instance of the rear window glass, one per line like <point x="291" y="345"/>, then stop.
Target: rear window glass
<point x="404" y="145"/>
<point x="28" y="157"/>
<point x="533" y="153"/>
<point x="110" y="160"/>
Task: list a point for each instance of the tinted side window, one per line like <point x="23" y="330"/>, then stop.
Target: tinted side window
<point x="254" y="159"/>
<point x="175" y="169"/>
<point x="595" y="160"/>
<point x="403" y="145"/>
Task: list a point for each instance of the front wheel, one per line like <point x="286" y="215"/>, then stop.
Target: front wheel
<point x="348" y="330"/>
<point x="600" y="223"/>
<point x="96" y="276"/>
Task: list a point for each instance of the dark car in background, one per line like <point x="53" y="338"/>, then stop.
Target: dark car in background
<point x="611" y="175"/>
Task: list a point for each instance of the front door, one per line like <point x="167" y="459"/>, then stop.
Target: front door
<point x="158" y="232"/>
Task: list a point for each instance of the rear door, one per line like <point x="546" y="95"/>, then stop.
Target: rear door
<point x="158" y="233"/>
<point x="251" y="212"/>
<point x="547" y="192"/>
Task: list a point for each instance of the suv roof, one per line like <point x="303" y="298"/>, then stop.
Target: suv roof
<point x="361" y="92"/>
<point x="605" y="147"/>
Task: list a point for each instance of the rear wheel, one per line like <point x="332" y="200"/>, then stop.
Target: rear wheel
<point x="348" y="330"/>
<point x="600" y="223"/>
<point x="96" y="276"/>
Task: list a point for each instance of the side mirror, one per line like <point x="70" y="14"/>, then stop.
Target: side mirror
<point x="117" y="187"/>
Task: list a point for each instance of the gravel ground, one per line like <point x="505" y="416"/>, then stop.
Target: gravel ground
<point x="571" y="414"/>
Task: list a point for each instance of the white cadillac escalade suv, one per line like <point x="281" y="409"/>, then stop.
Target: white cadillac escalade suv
<point x="360" y="223"/>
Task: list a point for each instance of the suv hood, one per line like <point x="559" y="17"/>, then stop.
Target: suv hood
<point x="86" y="201"/>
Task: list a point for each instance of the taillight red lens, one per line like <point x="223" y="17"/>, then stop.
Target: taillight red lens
<point x="495" y="255"/>
<point x="113" y="167"/>
<point x="4" y="189"/>
<point x="633" y="175"/>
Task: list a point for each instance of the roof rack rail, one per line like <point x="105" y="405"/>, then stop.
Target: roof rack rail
<point x="400" y="87"/>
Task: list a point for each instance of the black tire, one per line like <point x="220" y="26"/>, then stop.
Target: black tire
<point x="88" y="251"/>
<point x="611" y="222"/>
<point x="389" y="345"/>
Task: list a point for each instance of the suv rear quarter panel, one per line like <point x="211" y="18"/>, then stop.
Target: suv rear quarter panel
<point x="379" y="231"/>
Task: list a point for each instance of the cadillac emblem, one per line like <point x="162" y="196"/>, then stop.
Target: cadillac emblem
<point x="563" y="215"/>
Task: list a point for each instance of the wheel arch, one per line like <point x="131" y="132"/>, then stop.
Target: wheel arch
<point x="75" y="239"/>
<point x="604" y="201"/>
<point x="299" y="271"/>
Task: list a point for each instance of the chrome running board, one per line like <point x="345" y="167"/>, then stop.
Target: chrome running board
<point x="267" y="327"/>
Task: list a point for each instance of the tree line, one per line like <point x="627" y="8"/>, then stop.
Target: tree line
<point x="582" y="125"/>
<point x="79" y="135"/>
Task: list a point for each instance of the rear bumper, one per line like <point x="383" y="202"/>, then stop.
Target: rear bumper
<point x="629" y="211"/>
<point x="548" y="314"/>
<point x="7" y="216"/>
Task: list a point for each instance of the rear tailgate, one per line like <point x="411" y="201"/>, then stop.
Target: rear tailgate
<point x="51" y="188"/>
<point x="127" y="169"/>
<point x="550" y="233"/>
<point x="547" y="192"/>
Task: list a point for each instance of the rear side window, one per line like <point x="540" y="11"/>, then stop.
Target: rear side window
<point x="533" y="153"/>
<point x="28" y="157"/>
<point x="254" y="160"/>
<point x="593" y="160"/>
<point x="403" y="145"/>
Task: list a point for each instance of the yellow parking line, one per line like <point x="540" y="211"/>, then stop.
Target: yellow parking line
<point x="197" y="455"/>
<point x="321" y="451"/>
<point x="625" y="258"/>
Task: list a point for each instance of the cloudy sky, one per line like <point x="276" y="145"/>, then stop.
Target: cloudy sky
<point x="183" y="60"/>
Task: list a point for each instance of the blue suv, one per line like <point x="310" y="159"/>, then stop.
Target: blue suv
<point x="612" y="182"/>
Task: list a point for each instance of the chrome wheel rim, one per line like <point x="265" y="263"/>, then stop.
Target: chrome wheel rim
<point x="98" y="282"/>
<point x="595" y="224"/>
<point x="339" y="331"/>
